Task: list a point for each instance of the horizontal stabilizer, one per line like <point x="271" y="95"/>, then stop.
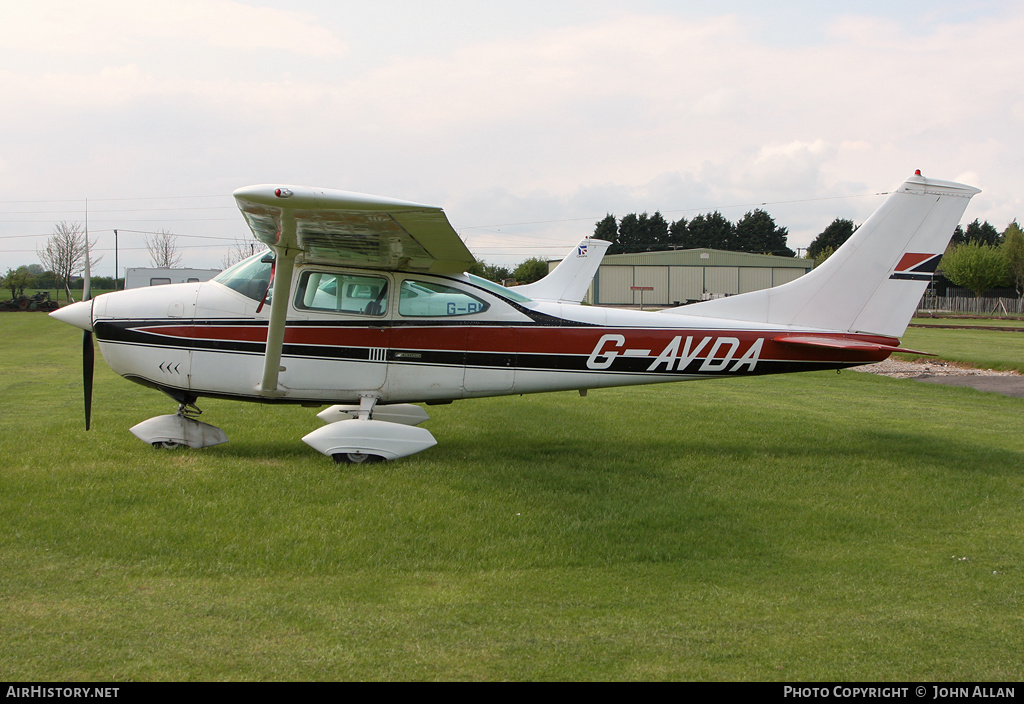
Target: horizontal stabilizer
<point x="841" y="343"/>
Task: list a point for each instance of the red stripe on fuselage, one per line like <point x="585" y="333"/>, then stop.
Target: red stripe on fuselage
<point x="535" y="339"/>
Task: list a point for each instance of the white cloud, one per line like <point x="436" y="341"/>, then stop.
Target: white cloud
<point x="628" y="112"/>
<point x="67" y="27"/>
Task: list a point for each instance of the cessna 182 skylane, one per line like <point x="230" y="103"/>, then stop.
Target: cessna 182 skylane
<point x="363" y="301"/>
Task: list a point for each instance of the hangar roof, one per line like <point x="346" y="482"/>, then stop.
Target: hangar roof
<point x="704" y="257"/>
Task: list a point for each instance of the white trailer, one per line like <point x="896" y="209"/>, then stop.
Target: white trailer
<point x="140" y="277"/>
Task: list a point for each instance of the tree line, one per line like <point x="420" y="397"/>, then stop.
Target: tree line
<point x="526" y="272"/>
<point x="979" y="257"/>
<point x="755" y="232"/>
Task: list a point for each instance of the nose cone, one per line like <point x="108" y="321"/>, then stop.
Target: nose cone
<point x="77" y="314"/>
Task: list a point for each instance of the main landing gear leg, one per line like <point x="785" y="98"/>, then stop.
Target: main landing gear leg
<point x="365" y="413"/>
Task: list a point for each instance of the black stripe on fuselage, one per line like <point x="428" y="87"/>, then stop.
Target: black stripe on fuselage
<point x="132" y="333"/>
<point x="903" y="276"/>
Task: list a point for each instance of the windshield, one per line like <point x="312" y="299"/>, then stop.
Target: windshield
<point x="499" y="289"/>
<point x="250" y="277"/>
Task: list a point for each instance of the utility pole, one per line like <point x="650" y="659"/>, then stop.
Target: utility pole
<point x="115" y="260"/>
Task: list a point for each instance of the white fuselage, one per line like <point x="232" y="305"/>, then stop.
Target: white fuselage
<point x="415" y="337"/>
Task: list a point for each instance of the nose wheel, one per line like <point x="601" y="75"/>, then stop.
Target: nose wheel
<point x="179" y="429"/>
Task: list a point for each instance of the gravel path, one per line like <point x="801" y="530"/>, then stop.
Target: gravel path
<point x="912" y="370"/>
<point x="949" y="374"/>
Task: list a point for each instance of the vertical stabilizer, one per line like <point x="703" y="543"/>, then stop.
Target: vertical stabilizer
<point x="569" y="281"/>
<point x="872" y="283"/>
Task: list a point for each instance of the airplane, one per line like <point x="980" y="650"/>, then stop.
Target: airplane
<point x="363" y="303"/>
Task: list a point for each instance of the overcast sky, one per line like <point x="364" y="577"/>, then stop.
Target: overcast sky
<point x="527" y="121"/>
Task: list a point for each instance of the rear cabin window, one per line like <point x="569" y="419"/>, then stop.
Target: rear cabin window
<point x="509" y="293"/>
<point x="159" y="281"/>
<point x="342" y="293"/>
<point x="429" y="299"/>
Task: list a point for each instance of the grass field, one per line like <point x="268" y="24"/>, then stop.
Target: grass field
<point x="988" y="349"/>
<point x="985" y="322"/>
<point x="55" y="294"/>
<point x="810" y="527"/>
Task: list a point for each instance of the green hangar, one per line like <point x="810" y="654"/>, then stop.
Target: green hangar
<point x="675" y="277"/>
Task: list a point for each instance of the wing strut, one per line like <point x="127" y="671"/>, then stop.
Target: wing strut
<point x="284" y="266"/>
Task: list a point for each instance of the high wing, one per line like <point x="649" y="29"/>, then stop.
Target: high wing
<point x="354" y="229"/>
<point x="342" y="229"/>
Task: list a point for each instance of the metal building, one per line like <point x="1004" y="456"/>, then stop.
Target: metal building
<point x="138" y="277"/>
<point x="674" y="277"/>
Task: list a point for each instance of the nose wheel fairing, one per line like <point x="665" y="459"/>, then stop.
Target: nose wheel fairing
<point x="177" y="429"/>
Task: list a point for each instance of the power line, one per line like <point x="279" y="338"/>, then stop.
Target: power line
<point x="682" y="210"/>
<point x="485" y="230"/>
<point x="93" y="231"/>
<point x="111" y="249"/>
<point x="111" y="220"/>
<point x="203" y="237"/>
<point x="112" y="200"/>
<point x="116" y="210"/>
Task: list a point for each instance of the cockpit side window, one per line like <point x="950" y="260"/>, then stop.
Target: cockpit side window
<point x="342" y="293"/>
<point x="250" y="277"/>
<point x="430" y="299"/>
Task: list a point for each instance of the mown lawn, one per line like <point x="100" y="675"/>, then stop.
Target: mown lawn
<point x="985" y="322"/>
<point x="810" y="527"/>
<point x="988" y="349"/>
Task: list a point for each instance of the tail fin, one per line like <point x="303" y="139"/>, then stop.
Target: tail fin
<point x="872" y="283"/>
<point x="569" y="282"/>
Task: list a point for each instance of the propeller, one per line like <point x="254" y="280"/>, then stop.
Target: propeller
<point x="87" y="367"/>
<point x="88" y="353"/>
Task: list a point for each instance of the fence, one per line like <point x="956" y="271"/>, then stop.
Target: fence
<point x="970" y="304"/>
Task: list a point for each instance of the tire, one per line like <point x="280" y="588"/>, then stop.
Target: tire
<point x="356" y="458"/>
